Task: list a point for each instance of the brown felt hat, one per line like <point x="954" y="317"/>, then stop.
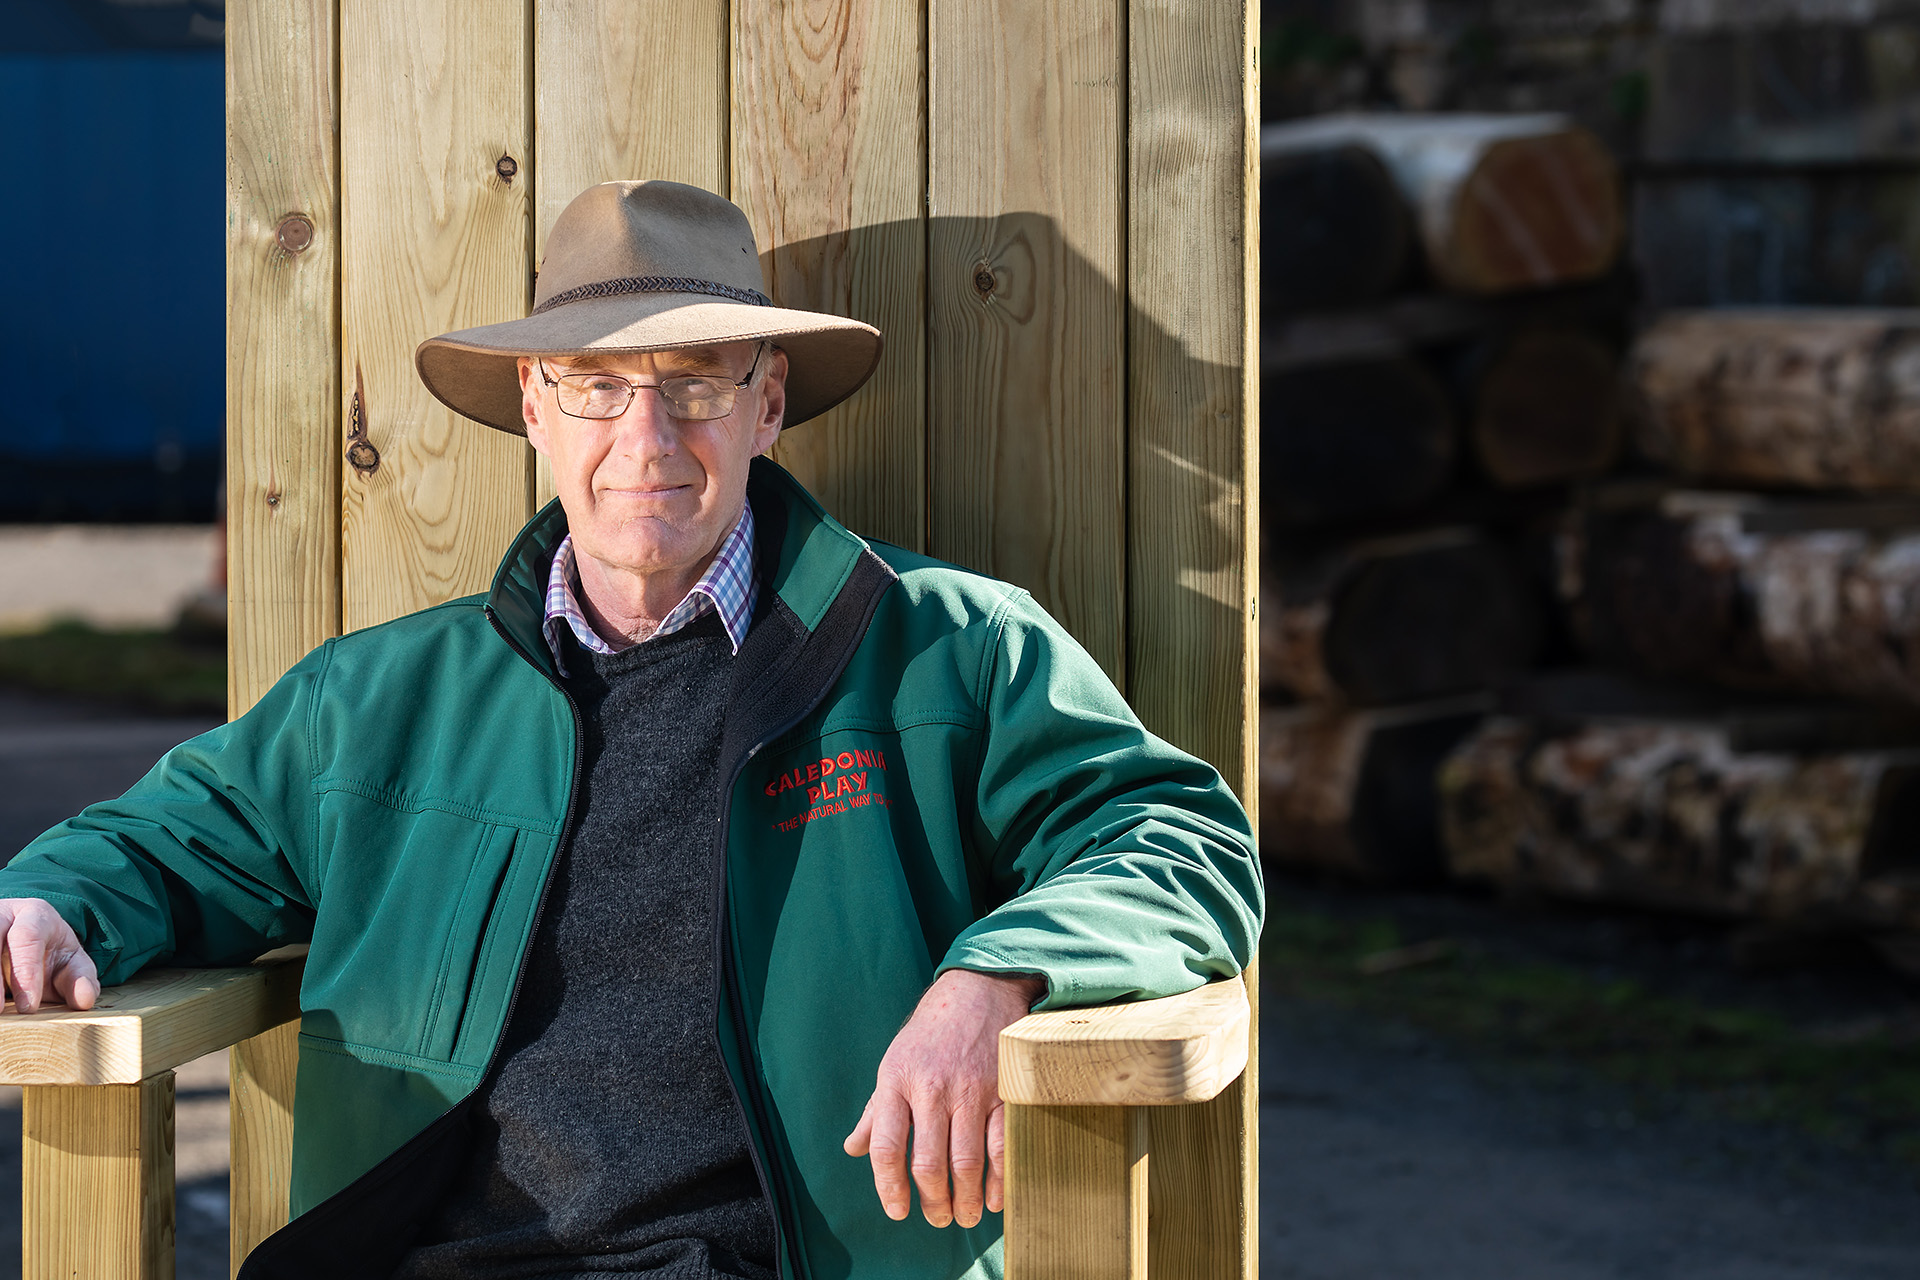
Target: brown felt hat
<point x="647" y="266"/>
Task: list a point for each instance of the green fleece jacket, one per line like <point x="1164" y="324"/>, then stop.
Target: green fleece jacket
<point x="922" y="771"/>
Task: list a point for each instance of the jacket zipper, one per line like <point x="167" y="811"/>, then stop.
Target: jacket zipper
<point x="760" y="1169"/>
<point x="728" y="982"/>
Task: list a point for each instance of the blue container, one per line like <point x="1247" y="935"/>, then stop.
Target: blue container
<point x="112" y="285"/>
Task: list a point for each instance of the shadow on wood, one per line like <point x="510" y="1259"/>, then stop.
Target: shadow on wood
<point x="1027" y="459"/>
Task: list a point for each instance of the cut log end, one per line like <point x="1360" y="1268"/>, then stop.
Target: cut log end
<point x="1534" y="212"/>
<point x="1547" y="410"/>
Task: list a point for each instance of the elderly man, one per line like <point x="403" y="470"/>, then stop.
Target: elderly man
<point x="621" y="880"/>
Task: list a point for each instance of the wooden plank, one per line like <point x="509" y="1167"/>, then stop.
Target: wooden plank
<point x="159" y="1020"/>
<point x="1076" y="1194"/>
<point x="1249" y="1086"/>
<point x="1199" y="1191"/>
<point x="283" y="333"/>
<point x="262" y="1068"/>
<point x="1192" y="350"/>
<point x="604" y="112"/>
<point x="1026" y="342"/>
<point x="829" y="162"/>
<point x="96" y="1176"/>
<point x="1183" y="1048"/>
<point x="434" y="213"/>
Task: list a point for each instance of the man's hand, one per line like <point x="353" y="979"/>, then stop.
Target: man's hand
<point x="941" y="1080"/>
<point x="41" y="959"/>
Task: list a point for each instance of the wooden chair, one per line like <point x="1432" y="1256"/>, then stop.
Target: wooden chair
<point x="1050" y="210"/>
<point x="1130" y="1139"/>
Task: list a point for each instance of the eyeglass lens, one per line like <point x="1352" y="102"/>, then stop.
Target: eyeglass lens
<point x="592" y="395"/>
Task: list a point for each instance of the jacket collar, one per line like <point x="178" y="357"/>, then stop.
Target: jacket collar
<point x="806" y="558"/>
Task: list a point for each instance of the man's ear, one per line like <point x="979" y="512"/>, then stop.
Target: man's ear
<point x="773" y="403"/>
<point x="530" y="405"/>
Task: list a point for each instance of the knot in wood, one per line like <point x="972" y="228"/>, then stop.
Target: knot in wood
<point x="984" y="279"/>
<point x="294" y="233"/>
<point x="273" y="497"/>
<point x="364" y="457"/>
<point x="506" y="167"/>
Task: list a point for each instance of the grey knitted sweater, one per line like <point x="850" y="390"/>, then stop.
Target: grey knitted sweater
<point x="607" y="1141"/>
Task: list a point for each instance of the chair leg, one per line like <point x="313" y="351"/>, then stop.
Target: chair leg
<point x="1076" y="1193"/>
<point x="261" y="1100"/>
<point x="97" y="1181"/>
<point x="1197" y="1191"/>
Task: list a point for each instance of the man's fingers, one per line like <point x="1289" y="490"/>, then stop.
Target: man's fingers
<point x="887" y="1147"/>
<point x="74" y="978"/>
<point x="857" y="1142"/>
<point x="968" y="1144"/>
<point x="26" y="954"/>
<point x="996" y="1157"/>
<point x="930" y="1138"/>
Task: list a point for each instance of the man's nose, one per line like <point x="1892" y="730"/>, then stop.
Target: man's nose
<point x="646" y="429"/>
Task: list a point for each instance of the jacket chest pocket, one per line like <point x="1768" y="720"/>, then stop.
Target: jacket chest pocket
<point x="401" y="941"/>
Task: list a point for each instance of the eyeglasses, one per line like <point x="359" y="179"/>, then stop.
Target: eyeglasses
<point x="693" y="398"/>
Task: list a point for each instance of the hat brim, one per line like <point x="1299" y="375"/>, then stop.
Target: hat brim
<point x="475" y="372"/>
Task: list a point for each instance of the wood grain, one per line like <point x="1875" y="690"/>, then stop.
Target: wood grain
<point x="1192" y="342"/>
<point x="829" y="161"/>
<point x="262" y="1070"/>
<point x="1076" y="1193"/>
<point x="283" y="333"/>
<point x="1183" y="1048"/>
<point x="433" y="97"/>
<point x="624" y="89"/>
<point x="97" y="1181"/>
<point x="1026" y="341"/>
<point x="161" y="1019"/>
<point x="1197" y="1195"/>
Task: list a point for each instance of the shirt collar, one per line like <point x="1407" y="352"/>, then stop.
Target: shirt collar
<point x="727" y="587"/>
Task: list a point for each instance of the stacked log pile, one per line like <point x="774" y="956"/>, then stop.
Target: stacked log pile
<point x="1470" y="471"/>
<point x="1440" y="351"/>
<point x="1792" y="588"/>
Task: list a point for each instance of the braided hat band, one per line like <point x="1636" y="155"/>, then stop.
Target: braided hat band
<point x="653" y="284"/>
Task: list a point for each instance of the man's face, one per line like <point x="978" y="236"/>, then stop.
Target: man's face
<point x="646" y="492"/>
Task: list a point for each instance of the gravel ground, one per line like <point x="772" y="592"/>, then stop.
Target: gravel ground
<point x="1386" y="1154"/>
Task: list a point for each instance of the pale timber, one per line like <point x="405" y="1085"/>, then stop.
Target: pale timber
<point x="1180" y="1049"/>
<point x="96" y="1175"/>
<point x="435" y="168"/>
<point x="1076" y="1193"/>
<point x="261" y="1070"/>
<point x="159" y="1020"/>
<point x="1026" y="398"/>
<point x="1192" y="378"/>
<point x="829" y="161"/>
<point x="283" y="341"/>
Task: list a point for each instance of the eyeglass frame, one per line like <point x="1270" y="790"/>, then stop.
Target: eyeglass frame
<point x="635" y="388"/>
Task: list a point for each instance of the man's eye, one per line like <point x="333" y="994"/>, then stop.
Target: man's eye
<point x="695" y="388"/>
<point x="600" y="386"/>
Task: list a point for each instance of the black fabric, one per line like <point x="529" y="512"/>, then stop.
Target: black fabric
<point x="608" y="1140"/>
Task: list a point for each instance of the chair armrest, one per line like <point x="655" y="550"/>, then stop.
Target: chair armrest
<point x="157" y="1021"/>
<point x="1148" y="1053"/>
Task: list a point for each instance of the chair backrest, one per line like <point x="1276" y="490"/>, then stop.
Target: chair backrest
<point x="1049" y="209"/>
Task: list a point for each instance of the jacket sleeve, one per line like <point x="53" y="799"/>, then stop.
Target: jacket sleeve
<point x="1128" y="869"/>
<point x="206" y="860"/>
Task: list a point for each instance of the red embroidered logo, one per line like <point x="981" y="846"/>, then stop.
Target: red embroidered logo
<point x="833" y="785"/>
